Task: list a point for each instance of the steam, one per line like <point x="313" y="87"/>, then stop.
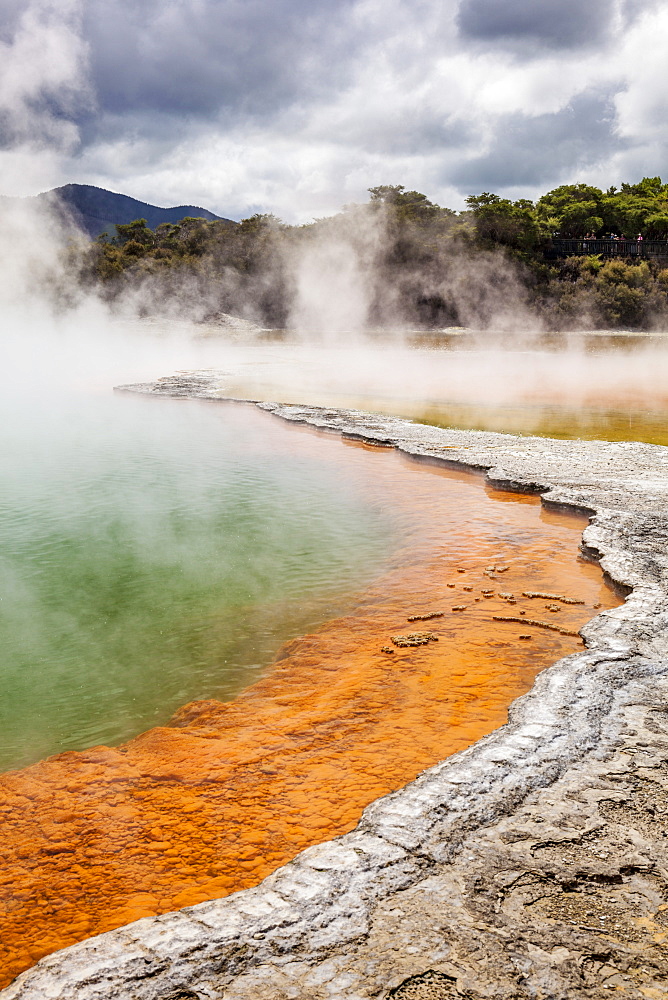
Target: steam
<point x="338" y="286"/>
<point x="43" y="82"/>
<point x="351" y="343"/>
<point x="331" y="294"/>
<point x="333" y="275"/>
<point x="345" y="283"/>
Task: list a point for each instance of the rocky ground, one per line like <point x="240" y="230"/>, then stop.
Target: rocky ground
<point x="532" y="865"/>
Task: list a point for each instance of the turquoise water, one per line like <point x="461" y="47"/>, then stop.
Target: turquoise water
<point x="157" y="551"/>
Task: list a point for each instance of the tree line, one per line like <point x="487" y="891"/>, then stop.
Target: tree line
<point x="424" y="266"/>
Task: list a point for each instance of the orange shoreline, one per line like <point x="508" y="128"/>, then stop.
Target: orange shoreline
<point x="226" y="793"/>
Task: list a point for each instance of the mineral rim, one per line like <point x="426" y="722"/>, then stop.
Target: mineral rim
<point x="534" y="864"/>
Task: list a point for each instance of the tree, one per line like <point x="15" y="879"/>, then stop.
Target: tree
<point x="137" y="230"/>
<point x="510" y="224"/>
<point x="572" y="209"/>
<point x="407" y="206"/>
<point x="648" y="187"/>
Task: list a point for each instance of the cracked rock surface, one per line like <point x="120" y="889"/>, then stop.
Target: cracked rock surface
<point x="532" y="865"/>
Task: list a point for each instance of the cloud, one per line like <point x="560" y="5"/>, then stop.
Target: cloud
<point x="553" y="24"/>
<point x="230" y="58"/>
<point x="42" y="74"/>
<point x="43" y="87"/>
<point x="297" y="106"/>
<point x="642" y="102"/>
<point x="578" y="137"/>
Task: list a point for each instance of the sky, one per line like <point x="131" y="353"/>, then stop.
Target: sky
<point x="297" y="107"/>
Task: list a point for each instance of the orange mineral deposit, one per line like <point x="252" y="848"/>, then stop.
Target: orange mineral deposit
<point x="226" y="792"/>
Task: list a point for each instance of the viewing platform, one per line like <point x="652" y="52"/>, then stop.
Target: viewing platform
<point x="648" y="249"/>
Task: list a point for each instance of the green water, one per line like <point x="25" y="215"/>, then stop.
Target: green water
<point x="157" y="551"/>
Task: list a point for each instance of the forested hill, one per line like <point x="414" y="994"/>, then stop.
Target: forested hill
<point x="97" y="211"/>
<point x="421" y="266"/>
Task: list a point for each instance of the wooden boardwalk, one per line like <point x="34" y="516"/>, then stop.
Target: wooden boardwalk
<point x="648" y="249"/>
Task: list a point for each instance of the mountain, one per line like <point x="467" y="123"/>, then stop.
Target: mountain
<point x="97" y="211"/>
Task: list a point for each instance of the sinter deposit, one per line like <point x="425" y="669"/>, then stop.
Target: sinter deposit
<point x="531" y="864"/>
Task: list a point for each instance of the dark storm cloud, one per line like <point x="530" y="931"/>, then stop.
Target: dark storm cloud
<point x="240" y="57"/>
<point x="552" y="24"/>
<point x="533" y="152"/>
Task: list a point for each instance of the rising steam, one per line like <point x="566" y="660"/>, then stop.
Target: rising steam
<point x="346" y="288"/>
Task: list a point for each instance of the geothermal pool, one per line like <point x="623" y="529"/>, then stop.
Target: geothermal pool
<point x="153" y="552"/>
<point x="375" y="546"/>
<point x="596" y="387"/>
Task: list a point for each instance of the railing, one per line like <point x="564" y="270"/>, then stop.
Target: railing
<point x="609" y="248"/>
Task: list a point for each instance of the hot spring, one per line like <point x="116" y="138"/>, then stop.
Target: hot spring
<point x="155" y="554"/>
<point x="210" y="599"/>
<point x="596" y="386"/>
